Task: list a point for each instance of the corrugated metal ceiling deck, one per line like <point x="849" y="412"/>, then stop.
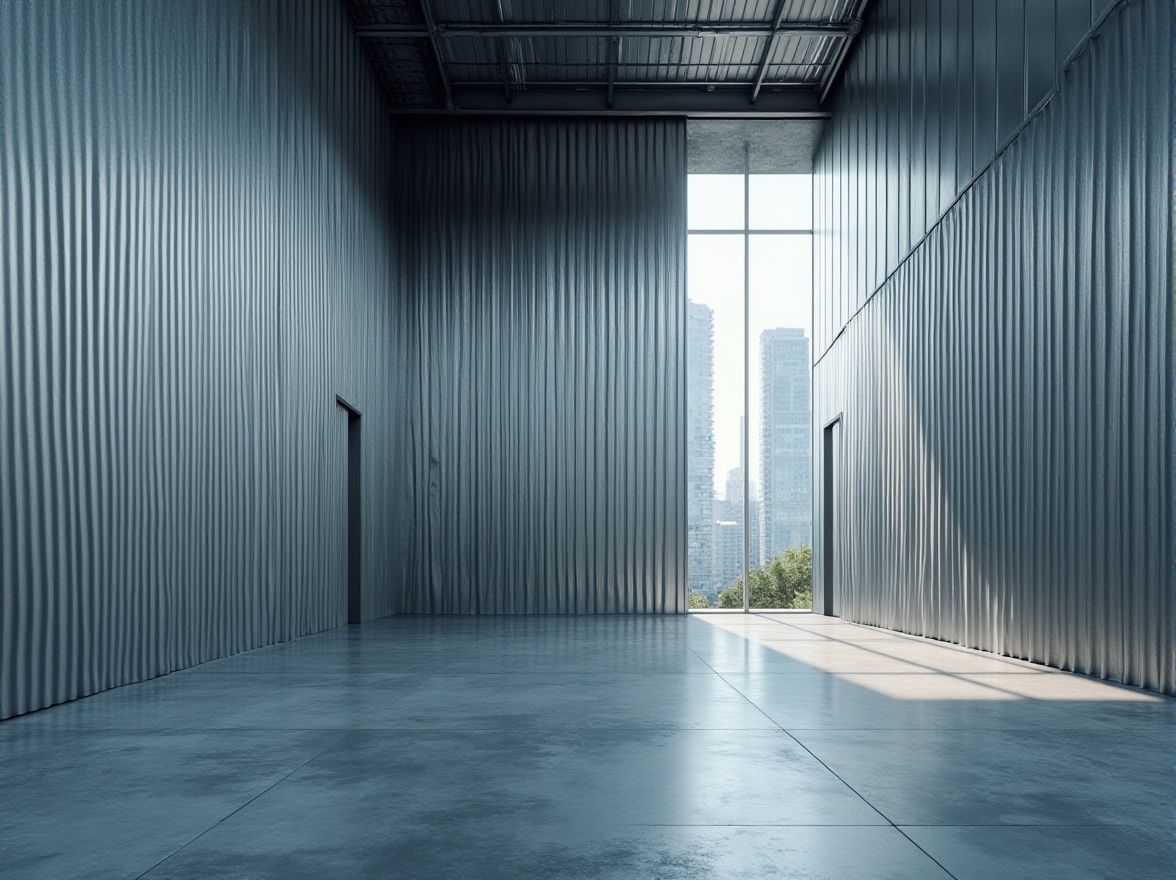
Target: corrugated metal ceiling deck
<point x="699" y="57"/>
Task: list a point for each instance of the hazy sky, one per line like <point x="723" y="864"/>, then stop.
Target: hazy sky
<point x="781" y="286"/>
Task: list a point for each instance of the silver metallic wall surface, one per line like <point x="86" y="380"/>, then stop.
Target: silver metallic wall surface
<point x="546" y="265"/>
<point x="1005" y="476"/>
<point x="932" y="90"/>
<point x="194" y="260"/>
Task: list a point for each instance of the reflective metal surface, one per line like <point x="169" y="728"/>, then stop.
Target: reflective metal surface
<point x="932" y="91"/>
<point x="1006" y="473"/>
<point x="194" y="262"/>
<point x="545" y="267"/>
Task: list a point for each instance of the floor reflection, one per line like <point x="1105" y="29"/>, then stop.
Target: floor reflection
<point x="708" y="746"/>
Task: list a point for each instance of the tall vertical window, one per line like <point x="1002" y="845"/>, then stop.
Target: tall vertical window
<point x="749" y="400"/>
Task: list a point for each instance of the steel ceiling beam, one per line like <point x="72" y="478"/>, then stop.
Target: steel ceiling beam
<point x="428" y="14"/>
<point x="843" y="49"/>
<point x="631" y="29"/>
<point x="613" y="62"/>
<point x="690" y="102"/>
<point x="640" y="84"/>
<point x="614" y="55"/>
<point x="654" y="65"/>
<point x="500" y="52"/>
<point x="503" y="70"/>
<point x="769" y="48"/>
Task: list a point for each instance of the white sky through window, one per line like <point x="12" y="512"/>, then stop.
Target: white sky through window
<point x="780" y="289"/>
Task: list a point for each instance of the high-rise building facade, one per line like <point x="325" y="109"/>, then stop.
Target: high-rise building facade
<point x="728" y="533"/>
<point x="785" y="442"/>
<point x="727" y="561"/>
<point x="700" y="468"/>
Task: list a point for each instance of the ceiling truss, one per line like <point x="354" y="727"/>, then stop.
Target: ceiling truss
<point x="490" y="56"/>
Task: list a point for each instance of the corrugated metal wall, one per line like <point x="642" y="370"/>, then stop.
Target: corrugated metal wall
<point x="1005" y="479"/>
<point x="546" y="262"/>
<point x="933" y="90"/>
<point x="194" y="258"/>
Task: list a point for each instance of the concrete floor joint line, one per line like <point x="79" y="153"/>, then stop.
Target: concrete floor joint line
<point x="244" y="805"/>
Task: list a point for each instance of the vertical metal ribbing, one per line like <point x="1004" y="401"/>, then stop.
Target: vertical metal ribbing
<point x="165" y="445"/>
<point x="548" y="296"/>
<point x="1007" y="378"/>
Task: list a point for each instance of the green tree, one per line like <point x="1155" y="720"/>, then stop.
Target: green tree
<point x="697" y="600"/>
<point x="785" y="582"/>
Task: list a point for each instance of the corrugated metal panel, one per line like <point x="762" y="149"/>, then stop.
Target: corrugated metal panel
<point x="1006" y="475"/>
<point x="550" y="59"/>
<point x="730" y="59"/>
<point x="596" y="11"/>
<point x="195" y="260"/>
<point x="662" y="60"/>
<point x="643" y="10"/>
<point x="408" y="67"/>
<point x="390" y="11"/>
<point x="547" y="262"/>
<point x="407" y="70"/>
<point x="982" y="59"/>
<point x="796" y="59"/>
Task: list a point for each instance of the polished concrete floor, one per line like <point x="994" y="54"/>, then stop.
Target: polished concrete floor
<point x="724" y="746"/>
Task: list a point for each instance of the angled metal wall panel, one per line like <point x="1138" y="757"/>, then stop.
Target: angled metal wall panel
<point x="932" y="91"/>
<point x="546" y="260"/>
<point x="194" y="260"/>
<point x="1007" y="388"/>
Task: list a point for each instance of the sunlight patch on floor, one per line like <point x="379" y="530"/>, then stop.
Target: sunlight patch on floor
<point x="898" y="666"/>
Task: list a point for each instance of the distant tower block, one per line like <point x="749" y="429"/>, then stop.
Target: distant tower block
<point x="700" y="442"/>
<point x="786" y="458"/>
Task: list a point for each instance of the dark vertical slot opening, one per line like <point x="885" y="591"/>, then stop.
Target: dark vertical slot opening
<point x="354" y="515"/>
<point x="828" y="521"/>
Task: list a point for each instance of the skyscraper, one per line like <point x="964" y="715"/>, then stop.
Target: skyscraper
<point x="785" y="443"/>
<point x="728" y="526"/>
<point x="700" y="473"/>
